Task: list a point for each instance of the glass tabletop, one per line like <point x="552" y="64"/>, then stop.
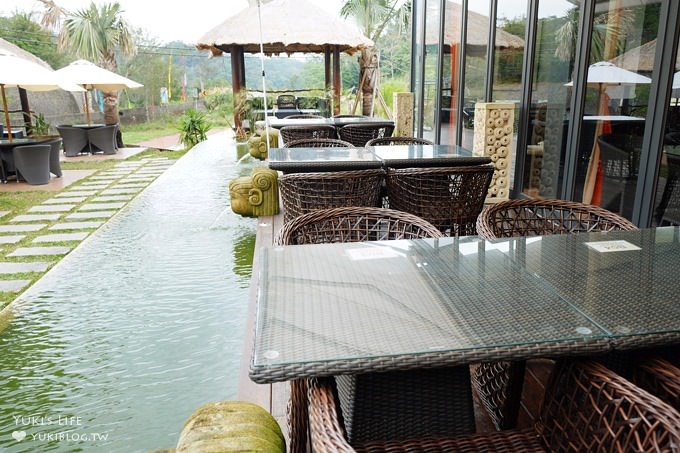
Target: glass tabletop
<point x="322" y="159"/>
<point x="400" y="156"/>
<point x="625" y="281"/>
<point x="389" y="305"/>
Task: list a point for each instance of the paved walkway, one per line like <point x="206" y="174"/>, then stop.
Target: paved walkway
<point x="32" y="242"/>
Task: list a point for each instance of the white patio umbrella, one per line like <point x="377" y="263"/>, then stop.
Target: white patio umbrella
<point x="604" y="74"/>
<point x="88" y="75"/>
<point x="21" y="73"/>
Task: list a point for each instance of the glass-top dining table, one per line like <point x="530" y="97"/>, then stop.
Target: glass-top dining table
<point x="396" y="156"/>
<point x="361" y="311"/>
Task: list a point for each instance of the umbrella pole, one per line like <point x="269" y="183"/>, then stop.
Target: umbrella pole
<point x="264" y="86"/>
<point x="4" y="104"/>
<point x="87" y="108"/>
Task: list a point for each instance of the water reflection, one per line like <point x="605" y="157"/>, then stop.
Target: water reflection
<point x="139" y="326"/>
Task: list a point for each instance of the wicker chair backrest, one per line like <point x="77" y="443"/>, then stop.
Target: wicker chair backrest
<point x="590" y="408"/>
<point x="318" y="143"/>
<point x="285" y="101"/>
<point x="290" y="133"/>
<point x="450" y="198"/>
<point x="545" y="216"/>
<point x="354" y="224"/>
<point x="386" y="141"/>
<point x="360" y="134"/>
<point x="305" y="192"/>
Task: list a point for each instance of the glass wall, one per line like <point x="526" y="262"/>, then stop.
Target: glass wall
<point x="509" y="48"/>
<point x="618" y="82"/>
<point x="667" y="206"/>
<point x="595" y="139"/>
<point x="550" y="97"/>
<point x="430" y="68"/>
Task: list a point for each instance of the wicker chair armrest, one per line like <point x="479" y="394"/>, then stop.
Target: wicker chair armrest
<point x="661" y="378"/>
<point x="326" y="427"/>
<point x="590" y="408"/>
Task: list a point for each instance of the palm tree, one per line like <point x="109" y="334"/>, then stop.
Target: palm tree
<point x="95" y="34"/>
<point x="373" y="16"/>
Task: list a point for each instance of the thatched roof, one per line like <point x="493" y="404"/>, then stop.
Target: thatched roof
<point x="477" y="30"/>
<point x="288" y="26"/>
<point x="19" y="52"/>
<point x="640" y="59"/>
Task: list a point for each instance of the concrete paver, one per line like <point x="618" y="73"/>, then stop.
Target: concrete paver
<point x="52" y="208"/>
<point x="13" y="286"/>
<point x="17" y="268"/>
<point x="61" y="237"/>
<point x="35" y="217"/>
<point x="65" y="200"/>
<point x="13" y="239"/>
<point x="22" y="228"/>
<point x="100" y="206"/>
<point x="90" y="215"/>
<point x="76" y="225"/>
<point x="37" y="251"/>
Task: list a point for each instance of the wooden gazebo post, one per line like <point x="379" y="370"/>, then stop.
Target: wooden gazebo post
<point x="238" y="80"/>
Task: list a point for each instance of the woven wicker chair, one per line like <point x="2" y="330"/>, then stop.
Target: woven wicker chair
<point x="546" y="216"/>
<point x="450" y="198"/>
<point x="354" y="224"/>
<point x="586" y="408"/>
<point x="291" y="133"/>
<point x="659" y="377"/>
<point x="305" y="192"/>
<point x="387" y="141"/>
<point x="285" y="101"/>
<point x="347" y="224"/>
<point x="499" y="384"/>
<point x="318" y="143"/>
<point x="360" y="134"/>
<point x="75" y="140"/>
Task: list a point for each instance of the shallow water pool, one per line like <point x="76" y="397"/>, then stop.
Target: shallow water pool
<point x="118" y="344"/>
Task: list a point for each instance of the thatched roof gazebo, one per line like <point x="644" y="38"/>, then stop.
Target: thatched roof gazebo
<point x="288" y="26"/>
<point x="477" y="33"/>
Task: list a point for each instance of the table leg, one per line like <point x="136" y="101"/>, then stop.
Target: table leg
<point x="408" y="404"/>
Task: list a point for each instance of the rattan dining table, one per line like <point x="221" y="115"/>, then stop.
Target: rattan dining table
<point x="398" y="322"/>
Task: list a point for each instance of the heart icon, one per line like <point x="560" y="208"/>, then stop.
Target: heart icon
<point x="19" y="435"/>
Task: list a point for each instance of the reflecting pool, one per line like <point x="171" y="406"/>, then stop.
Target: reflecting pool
<point x="118" y="344"/>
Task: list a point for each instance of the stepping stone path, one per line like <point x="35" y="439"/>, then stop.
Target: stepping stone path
<point x="62" y="218"/>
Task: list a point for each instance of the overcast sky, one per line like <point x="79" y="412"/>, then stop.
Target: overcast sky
<point x="193" y="18"/>
<point x="167" y="21"/>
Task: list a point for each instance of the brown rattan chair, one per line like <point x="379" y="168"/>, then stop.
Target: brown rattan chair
<point x="285" y="101"/>
<point x="387" y="141"/>
<point x="346" y="224"/>
<point x="586" y="408"/>
<point x="499" y="384"/>
<point x="318" y="143"/>
<point x="291" y="133"/>
<point x="546" y="216"/>
<point x="450" y="198"/>
<point x="661" y="378"/>
<point x="354" y="224"/>
<point x="305" y="192"/>
<point x="360" y="134"/>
